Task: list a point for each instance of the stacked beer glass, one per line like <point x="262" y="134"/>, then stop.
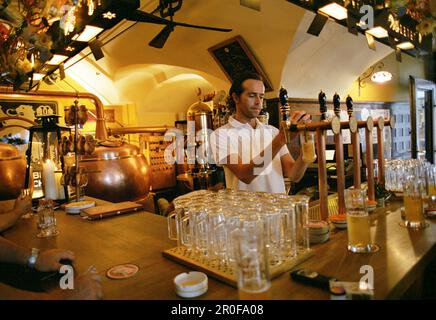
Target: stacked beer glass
<point x="204" y="224"/>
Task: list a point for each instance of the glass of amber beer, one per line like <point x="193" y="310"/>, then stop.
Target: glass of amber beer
<point x="359" y="235"/>
<point x="414" y="190"/>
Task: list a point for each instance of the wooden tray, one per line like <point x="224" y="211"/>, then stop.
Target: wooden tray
<point x="225" y="273"/>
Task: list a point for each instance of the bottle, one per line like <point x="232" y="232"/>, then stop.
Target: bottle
<point x="264" y="114"/>
<point x="307" y="147"/>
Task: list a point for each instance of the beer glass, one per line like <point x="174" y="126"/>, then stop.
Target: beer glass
<point x="174" y="220"/>
<point x="287" y="209"/>
<point x="251" y="261"/>
<point x="359" y="233"/>
<point x="431" y="190"/>
<point x="25" y="193"/>
<point x="217" y="234"/>
<point x="272" y="223"/>
<point x="199" y="225"/>
<point x="413" y="203"/>
<point x="301" y="204"/>
<point x="46" y="219"/>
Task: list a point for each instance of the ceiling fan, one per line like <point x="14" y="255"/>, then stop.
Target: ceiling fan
<point x="166" y="8"/>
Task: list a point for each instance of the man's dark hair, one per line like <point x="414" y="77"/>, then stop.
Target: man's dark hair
<point x="237" y="86"/>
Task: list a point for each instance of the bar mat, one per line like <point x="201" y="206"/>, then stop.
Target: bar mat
<point x="225" y="273"/>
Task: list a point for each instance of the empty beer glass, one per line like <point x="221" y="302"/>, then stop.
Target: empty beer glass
<point x="414" y="188"/>
<point x="46" y="219"/>
<point x="217" y="234"/>
<point x="358" y="225"/>
<point x="287" y="208"/>
<point x="26" y="193"/>
<point x="251" y="261"/>
<point x="272" y="233"/>
<point x="174" y="219"/>
<point x="301" y="221"/>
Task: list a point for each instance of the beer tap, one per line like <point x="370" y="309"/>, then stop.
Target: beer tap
<point x="337" y="105"/>
<point x="320" y="128"/>
<point x="285" y="111"/>
<point x="340" y="184"/>
<point x="322" y="105"/>
<point x="355" y="142"/>
<point x="349" y="104"/>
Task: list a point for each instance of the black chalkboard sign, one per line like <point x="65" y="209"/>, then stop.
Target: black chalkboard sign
<point x="234" y="57"/>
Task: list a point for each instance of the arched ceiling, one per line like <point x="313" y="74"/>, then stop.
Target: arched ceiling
<point x="331" y="61"/>
<point x="302" y="63"/>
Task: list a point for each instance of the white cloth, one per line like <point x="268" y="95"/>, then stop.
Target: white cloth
<point x="236" y="138"/>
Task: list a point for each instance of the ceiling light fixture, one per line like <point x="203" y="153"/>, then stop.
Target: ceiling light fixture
<point x="89" y="33"/>
<point x="57" y="59"/>
<point x="38" y="76"/>
<point x="381" y="77"/>
<point x="334" y="10"/>
<point x="405" y="46"/>
<point x="378" y="32"/>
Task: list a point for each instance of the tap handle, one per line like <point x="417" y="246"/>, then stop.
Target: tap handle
<point x="336" y="104"/>
<point x="322" y="104"/>
<point x="283" y="95"/>
<point x="349" y="103"/>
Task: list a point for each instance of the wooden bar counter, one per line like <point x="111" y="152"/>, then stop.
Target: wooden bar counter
<point x="139" y="238"/>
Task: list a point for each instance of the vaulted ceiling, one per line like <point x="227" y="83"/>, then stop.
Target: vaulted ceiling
<point x="151" y="78"/>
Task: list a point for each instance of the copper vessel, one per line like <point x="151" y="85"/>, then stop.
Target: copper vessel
<point x="12" y="172"/>
<point x="120" y="171"/>
<point x="117" y="173"/>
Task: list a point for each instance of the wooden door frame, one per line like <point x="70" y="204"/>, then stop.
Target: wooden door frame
<point x="414" y="84"/>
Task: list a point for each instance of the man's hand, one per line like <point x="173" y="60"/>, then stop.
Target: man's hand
<point x="22" y="205"/>
<point x="49" y="260"/>
<point x="298" y="117"/>
<point x="86" y="287"/>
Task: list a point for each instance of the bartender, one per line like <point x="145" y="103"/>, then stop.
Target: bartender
<point x="255" y="156"/>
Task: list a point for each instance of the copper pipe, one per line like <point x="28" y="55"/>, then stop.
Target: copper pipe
<point x="369" y="167"/>
<point x="100" y="126"/>
<point x="131" y="130"/>
<point x="340" y="184"/>
<point x="355" y="141"/>
<point x="322" y="174"/>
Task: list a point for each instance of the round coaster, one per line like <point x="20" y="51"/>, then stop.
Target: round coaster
<point x="122" y="271"/>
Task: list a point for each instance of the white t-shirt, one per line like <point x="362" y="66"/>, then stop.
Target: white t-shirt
<point x="236" y="138"/>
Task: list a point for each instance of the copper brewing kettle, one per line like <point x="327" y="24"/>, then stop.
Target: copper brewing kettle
<point x="118" y="172"/>
<point x="12" y="172"/>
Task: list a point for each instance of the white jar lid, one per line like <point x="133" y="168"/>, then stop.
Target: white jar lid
<point x="191" y="284"/>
